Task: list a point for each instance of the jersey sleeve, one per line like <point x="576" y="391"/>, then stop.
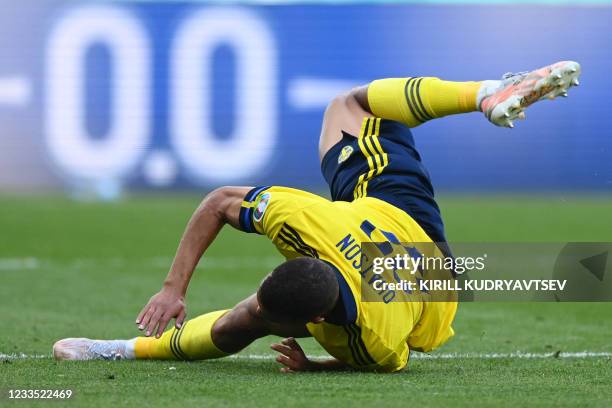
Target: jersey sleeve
<point x="266" y="209"/>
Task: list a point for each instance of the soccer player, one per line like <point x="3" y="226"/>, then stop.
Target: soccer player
<point x="380" y="192"/>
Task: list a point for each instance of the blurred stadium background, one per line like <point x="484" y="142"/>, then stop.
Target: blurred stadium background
<point x="99" y="98"/>
<point x="117" y="117"/>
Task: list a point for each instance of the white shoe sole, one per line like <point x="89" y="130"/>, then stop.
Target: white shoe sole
<point x="555" y="84"/>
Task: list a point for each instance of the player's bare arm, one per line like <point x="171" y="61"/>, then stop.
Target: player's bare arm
<point x="218" y="208"/>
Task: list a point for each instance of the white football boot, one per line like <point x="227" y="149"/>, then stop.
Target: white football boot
<point x="504" y="101"/>
<point x="87" y="349"/>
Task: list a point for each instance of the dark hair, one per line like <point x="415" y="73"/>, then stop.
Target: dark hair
<point x="301" y="288"/>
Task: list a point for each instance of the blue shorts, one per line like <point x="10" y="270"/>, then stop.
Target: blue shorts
<point x="385" y="156"/>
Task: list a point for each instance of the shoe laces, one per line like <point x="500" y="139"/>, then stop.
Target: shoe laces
<point x="107" y="351"/>
<point x="514" y="76"/>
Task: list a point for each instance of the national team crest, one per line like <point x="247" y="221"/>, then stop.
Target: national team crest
<point x="345" y="154"/>
<point x="261" y="206"/>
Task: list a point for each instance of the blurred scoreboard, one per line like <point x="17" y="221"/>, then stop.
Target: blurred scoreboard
<point x="180" y="95"/>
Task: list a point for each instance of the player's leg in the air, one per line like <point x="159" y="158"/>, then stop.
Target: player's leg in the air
<point x="413" y="101"/>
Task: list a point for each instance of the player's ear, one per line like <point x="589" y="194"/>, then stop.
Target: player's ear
<point x="317" y="319"/>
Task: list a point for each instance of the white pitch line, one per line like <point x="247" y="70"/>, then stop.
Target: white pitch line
<point x="18" y="263"/>
<point x="516" y="354"/>
<point x="22" y="356"/>
<point x="15" y="91"/>
<point x="451" y="356"/>
<point x="413" y="356"/>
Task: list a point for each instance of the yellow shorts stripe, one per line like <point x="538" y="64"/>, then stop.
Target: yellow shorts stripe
<point x="384" y="158"/>
<point x="365" y="130"/>
<point x="370" y="153"/>
<point x="372" y="149"/>
<point x="374" y="146"/>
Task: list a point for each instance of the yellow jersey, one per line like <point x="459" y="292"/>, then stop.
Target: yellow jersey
<point x="368" y="335"/>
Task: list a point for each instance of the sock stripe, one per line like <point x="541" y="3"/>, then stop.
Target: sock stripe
<point x="414" y="94"/>
<point x="178" y="342"/>
<point x="177" y="353"/>
<point x="418" y="92"/>
<point x="172" y="349"/>
<point x="174" y="344"/>
<point x="408" y="102"/>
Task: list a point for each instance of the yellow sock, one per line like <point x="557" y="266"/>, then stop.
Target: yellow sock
<point x="192" y="342"/>
<point x="413" y="101"/>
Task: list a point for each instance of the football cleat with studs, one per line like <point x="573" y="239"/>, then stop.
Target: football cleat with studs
<point x="515" y="92"/>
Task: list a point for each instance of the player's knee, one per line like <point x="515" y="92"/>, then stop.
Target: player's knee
<point x="350" y="102"/>
<point x="339" y="116"/>
<point x="242" y="317"/>
<point x="337" y="104"/>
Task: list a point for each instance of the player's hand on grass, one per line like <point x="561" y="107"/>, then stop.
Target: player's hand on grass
<point x="161" y="308"/>
<point x="291" y="356"/>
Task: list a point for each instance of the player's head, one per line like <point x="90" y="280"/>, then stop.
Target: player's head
<point x="298" y="290"/>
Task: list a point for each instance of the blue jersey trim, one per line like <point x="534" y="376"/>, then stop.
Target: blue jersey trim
<point x="348" y="299"/>
<point x="245" y="218"/>
<point x="349" y="306"/>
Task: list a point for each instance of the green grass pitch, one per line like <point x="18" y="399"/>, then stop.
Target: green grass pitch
<point x="85" y="269"/>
